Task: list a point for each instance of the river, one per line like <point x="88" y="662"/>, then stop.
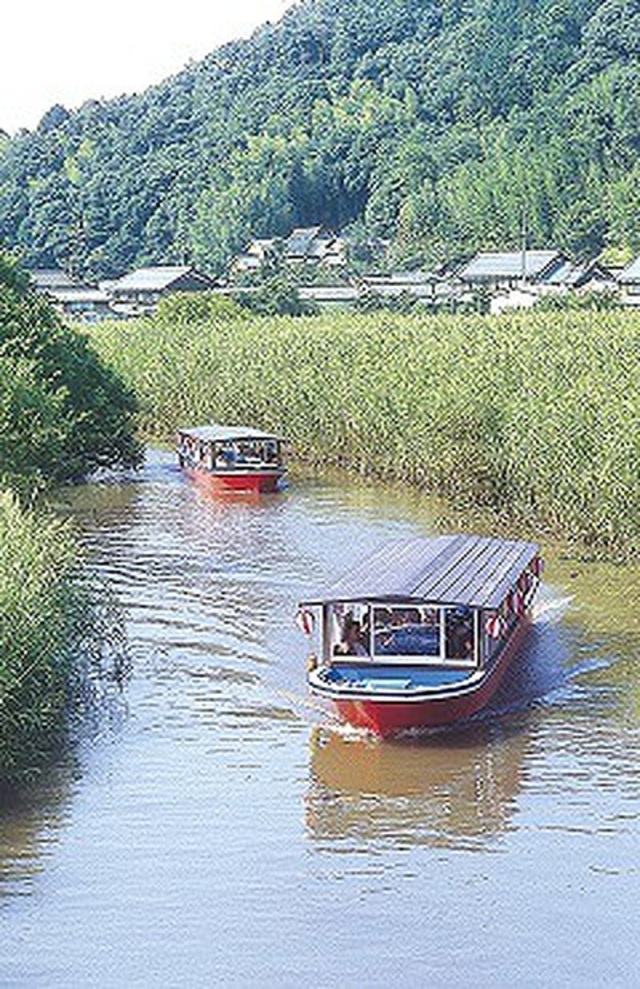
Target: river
<point x="215" y="826"/>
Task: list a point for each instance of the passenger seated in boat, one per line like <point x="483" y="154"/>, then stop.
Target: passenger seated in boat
<point x="459" y="632"/>
<point x="252" y="455"/>
<point x="411" y="616"/>
<point x="351" y="644"/>
<point x="406" y="632"/>
<point x="270" y="453"/>
<point x="226" y="458"/>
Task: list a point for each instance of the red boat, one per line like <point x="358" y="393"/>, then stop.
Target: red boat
<point x="420" y="633"/>
<point x="231" y="458"/>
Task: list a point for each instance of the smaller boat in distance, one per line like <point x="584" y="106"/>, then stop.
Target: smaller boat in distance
<point x="420" y="633"/>
<point x="231" y="458"/>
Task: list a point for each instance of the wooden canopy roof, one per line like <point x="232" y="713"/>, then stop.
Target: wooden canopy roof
<point x="474" y="571"/>
<point x="217" y="433"/>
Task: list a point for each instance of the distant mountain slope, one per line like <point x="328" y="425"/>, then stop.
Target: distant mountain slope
<point x="437" y="123"/>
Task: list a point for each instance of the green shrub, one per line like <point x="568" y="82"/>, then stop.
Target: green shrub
<point x="191" y="308"/>
<point x="62" y="412"/>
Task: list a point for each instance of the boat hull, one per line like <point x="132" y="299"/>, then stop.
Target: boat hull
<point x="388" y="717"/>
<point x="257" y="481"/>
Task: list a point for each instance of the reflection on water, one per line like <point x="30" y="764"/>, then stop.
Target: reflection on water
<point x="216" y="825"/>
<point x="448" y="787"/>
<point x="30" y="824"/>
<point x="456" y="790"/>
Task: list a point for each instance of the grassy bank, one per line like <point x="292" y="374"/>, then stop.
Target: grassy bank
<point x="47" y="634"/>
<point x="534" y="415"/>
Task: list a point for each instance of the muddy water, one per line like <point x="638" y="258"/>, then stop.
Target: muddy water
<point x="216" y="827"/>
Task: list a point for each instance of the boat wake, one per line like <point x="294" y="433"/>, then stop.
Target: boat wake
<point x="552" y="611"/>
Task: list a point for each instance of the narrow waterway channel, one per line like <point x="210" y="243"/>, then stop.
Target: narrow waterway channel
<point x="217" y="827"/>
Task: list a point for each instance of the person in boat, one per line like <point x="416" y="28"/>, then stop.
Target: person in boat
<point x="271" y="453"/>
<point x="226" y="457"/>
<point x="460" y="634"/>
<point x="351" y="643"/>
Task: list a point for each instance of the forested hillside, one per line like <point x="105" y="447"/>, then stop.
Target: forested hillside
<point x="439" y="124"/>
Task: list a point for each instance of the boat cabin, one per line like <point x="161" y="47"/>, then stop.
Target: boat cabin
<point x="446" y="601"/>
<point x="421" y="632"/>
<point x="228" y="448"/>
<point x="236" y="457"/>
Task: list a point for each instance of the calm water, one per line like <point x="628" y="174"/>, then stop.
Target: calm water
<point x="216" y="827"/>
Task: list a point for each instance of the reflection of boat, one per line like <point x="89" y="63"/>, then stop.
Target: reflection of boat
<point x="455" y="788"/>
<point x="421" y="632"/>
<point x="231" y="458"/>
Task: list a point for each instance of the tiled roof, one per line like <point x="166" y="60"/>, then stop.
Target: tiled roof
<point x="50" y="278"/>
<point x="509" y="264"/>
<point x="300" y="240"/>
<point x="81" y="293"/>
<point x="260" y="246"/>
<point x="573" y="275"/>
<point x="217" y="433"/>
<point x="631" y="273"/>
<point x="155" y="279"/>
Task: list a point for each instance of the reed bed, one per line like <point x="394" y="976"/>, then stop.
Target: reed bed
<point x="51" y="637"/>
<point x="534" y="415"/>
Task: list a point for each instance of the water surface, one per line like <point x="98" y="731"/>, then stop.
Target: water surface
<point x="218" y="827"/>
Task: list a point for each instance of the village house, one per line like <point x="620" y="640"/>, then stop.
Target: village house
<point x="70" y="296"/>
<point x="86" y="302"/>
<point x="582" y="278"/>
<point x="48" y="281"/>
<point x="303" y="246"/>
<point x="313" y="245"/>
<point x="140" y="291"/>
<point x="629" y="280"/>
<point x="259" y="252"/>
<point x="330" y="296"/>
<point x="509" y="269"/>
<point x="425" y="287"/>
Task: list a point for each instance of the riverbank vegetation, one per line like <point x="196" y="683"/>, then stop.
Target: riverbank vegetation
<point x="533" y="416"/>
<point x="62" y="413"/>
<point x="52" y="644"/>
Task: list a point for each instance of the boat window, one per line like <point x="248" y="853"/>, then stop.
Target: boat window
<point x="246" y="453"/>
<point x="349" y="631"/>
<point x="406" y="631"/>
<point x="459" y="633"/>
<point x="271" y="452"/>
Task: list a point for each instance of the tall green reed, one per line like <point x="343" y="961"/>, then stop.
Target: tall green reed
<point x="535" y="415"/>
<point x="52" y="629"/>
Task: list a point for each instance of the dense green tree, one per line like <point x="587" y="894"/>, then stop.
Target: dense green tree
<point x="436" y="123"/>
<point x="62" y="412"/>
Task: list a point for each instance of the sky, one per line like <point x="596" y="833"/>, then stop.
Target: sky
<point x="69" y="51"/>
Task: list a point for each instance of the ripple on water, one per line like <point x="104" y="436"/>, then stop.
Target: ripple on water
<point x="228" y="786"/>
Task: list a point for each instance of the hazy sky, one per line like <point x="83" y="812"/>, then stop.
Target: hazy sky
<point x="68" y="51"/>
